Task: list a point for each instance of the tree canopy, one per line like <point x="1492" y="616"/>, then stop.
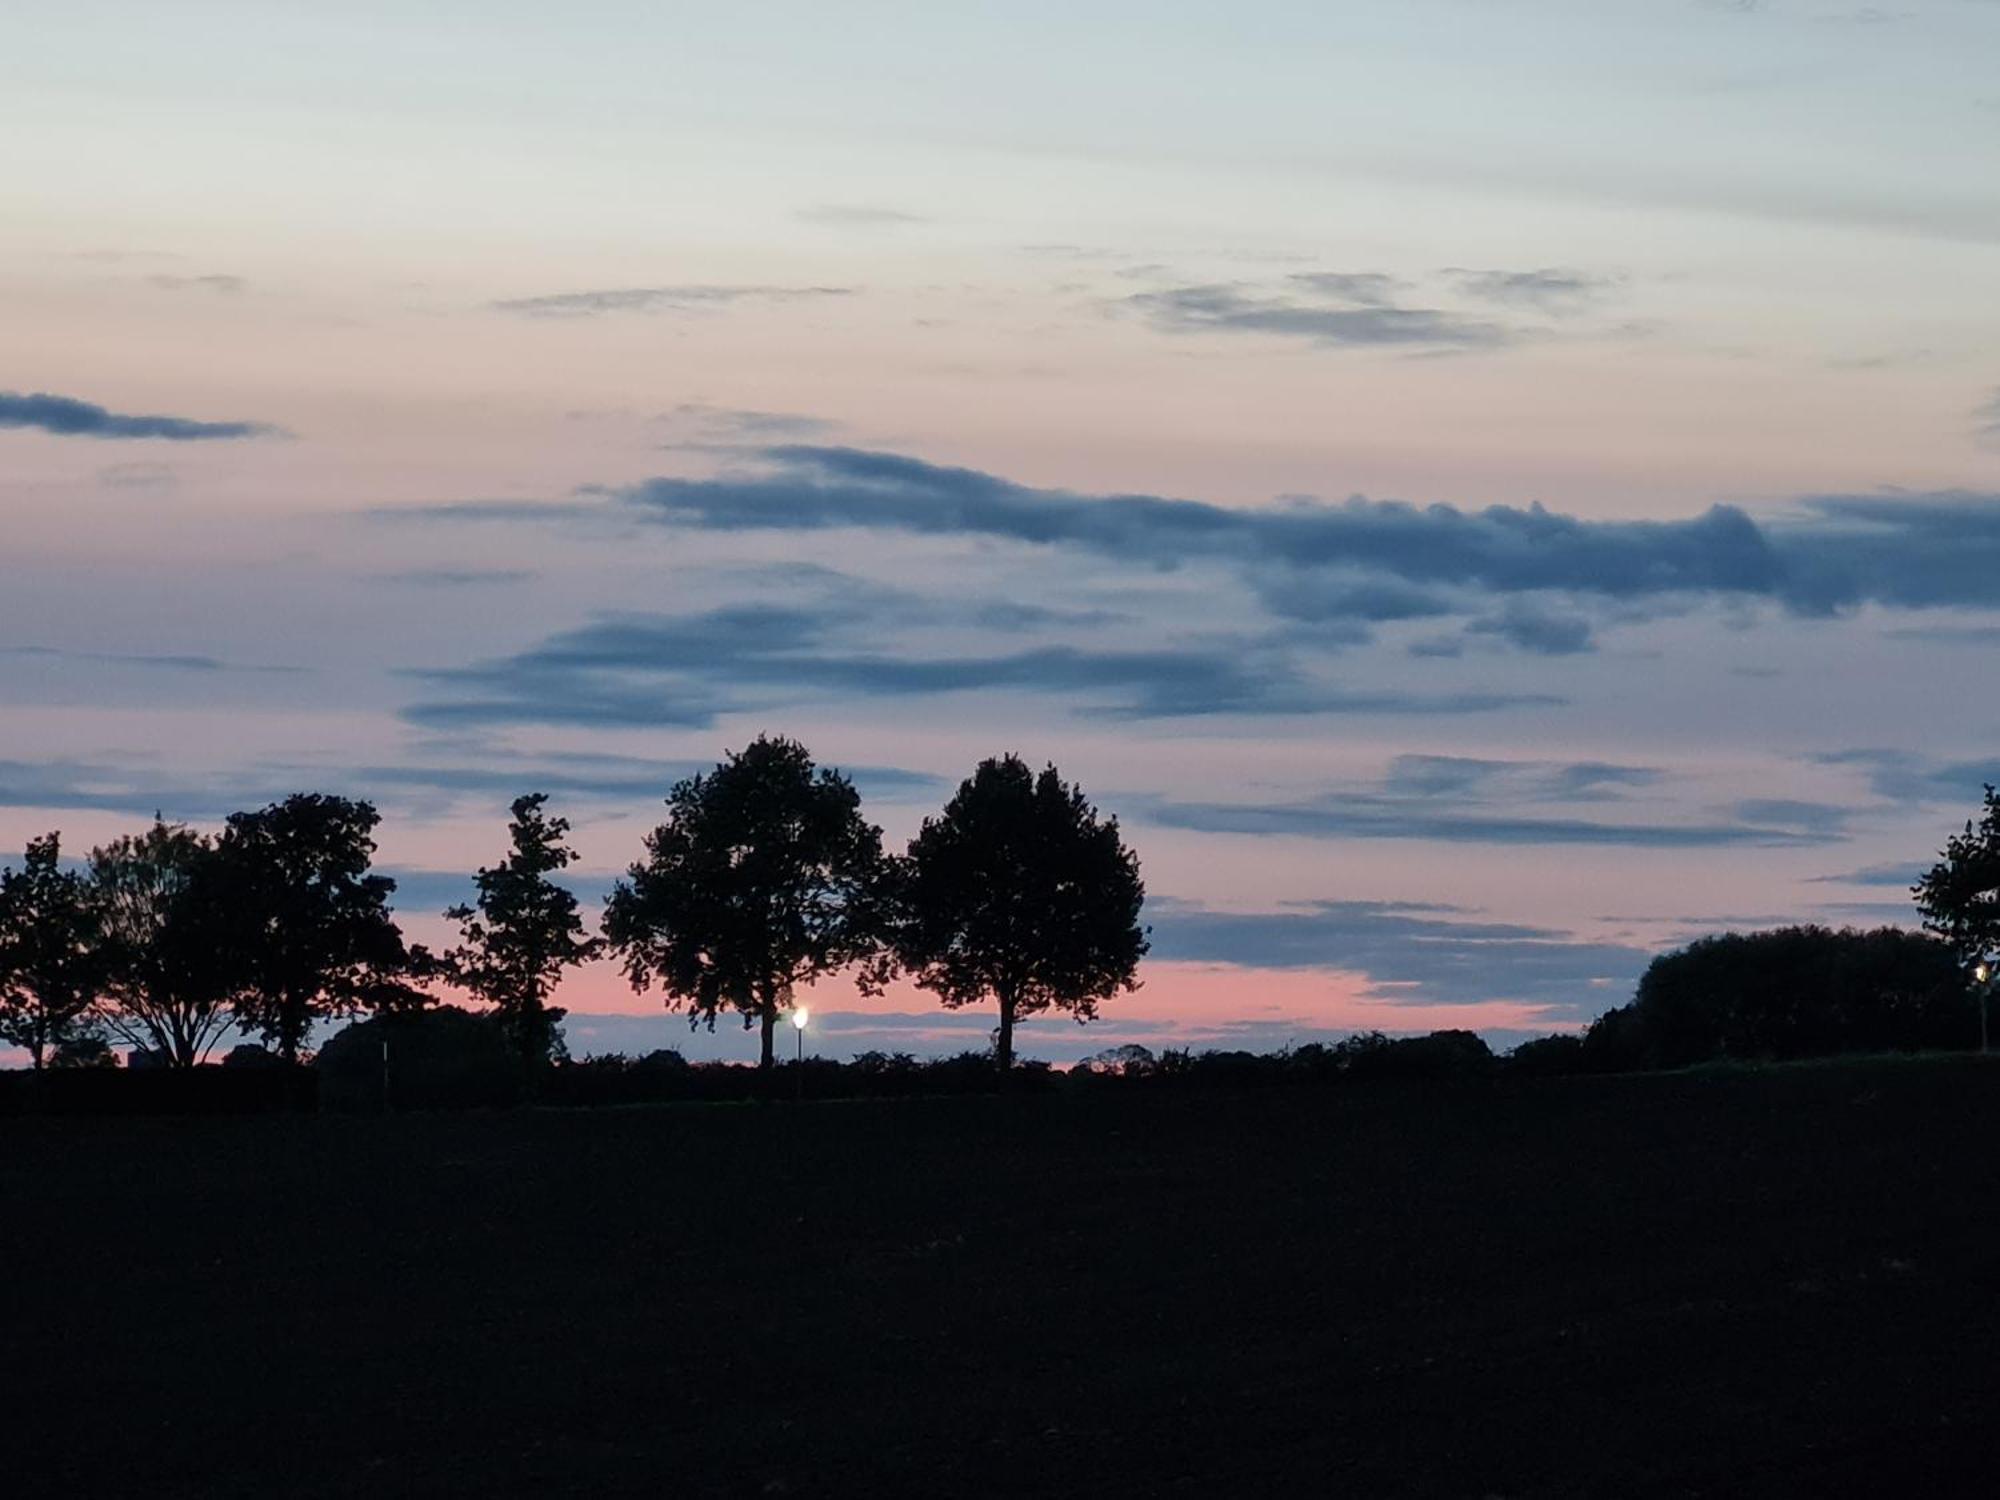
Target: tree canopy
<point x="52" y="960"/>
<point x="1019" y="894"/>
<point x="309" y="934"/>
<point x="763" y="878"/>
<point x="168" y="984"/>
<point x="1788" y="993"/>
<point x="523" y="932"/>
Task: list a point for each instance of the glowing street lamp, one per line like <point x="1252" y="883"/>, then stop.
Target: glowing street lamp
<point x="1983" y="975"/>
<point x="799" y="1017"/>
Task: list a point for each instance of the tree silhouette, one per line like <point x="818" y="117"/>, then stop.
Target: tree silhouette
<point x="523" y="933"/>
<point x="1959" y="898"/>
<point x="51" y="952"/>
<point x="763" y="878"/>
<point x="1019" y="893"/>
<point x="309" y="930"/>
<point x="168" y="980"/>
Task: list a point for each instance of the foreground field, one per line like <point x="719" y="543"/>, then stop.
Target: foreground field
<point x="1775" y="1283"/>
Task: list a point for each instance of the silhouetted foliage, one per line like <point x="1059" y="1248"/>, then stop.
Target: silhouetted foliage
<point x="1548" y="1056"/>
<point x="523" y="933"/>
<point x="441" y="1058"/>
<point x="251" y="1055"/>
<point x="1019" y="894"/>
<point x="1959" y="898"/>
<point x="88" y="1051"/>
<point x="763" y="878"/>
<point x="169" y="980"/>
<point x="52" y="960"/>
<point x="308" y="931"/>
<point x="1789" y="993"/>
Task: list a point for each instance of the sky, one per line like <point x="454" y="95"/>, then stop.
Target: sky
<point x="1484" y="490"/>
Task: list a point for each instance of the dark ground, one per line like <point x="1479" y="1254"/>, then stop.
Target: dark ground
<point x="1758" y="1284"/>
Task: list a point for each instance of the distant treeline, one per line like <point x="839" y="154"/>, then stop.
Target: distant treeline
<point x="763" y="878"/>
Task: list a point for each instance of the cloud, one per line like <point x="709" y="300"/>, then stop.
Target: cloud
<point x="136" y="476"/>
<point x="1915" y="780"/>
<point x="226" y="286"/>
<point x="1537" y="631"/>
<point x="1383" y="559"/>
<point x="687" y="670"/>
<point x="1366" y="561"/>
<point x="857" y="216"/>
<point x="1420" y="952"/>
<point x="657" y="299"/>
<point x="1329" y="313"/>
<point x="1552" y="289"/>
<point x="457" y="578"/>
<point x="67" y="417"/>
<point x="496" y="777"/>
<point x="1986" y="417"/>
<point x="163" y="662"/>
<point x="1346" y="816"/>
<point x="747" y="425"/>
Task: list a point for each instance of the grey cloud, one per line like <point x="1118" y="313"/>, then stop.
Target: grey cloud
<point x="688" y="669"/>
<point x="858" y="216"/>
<point x="1986" y="418"/>
<point x="456" y="578"/>
<point x="67" y="417"/>
<point x="1369" y="560"/>
<point x="1331" y="318"/>
<point x="1552" y="289"/>
<point x="136" y="476"/>
<point x="656" y="299"/>
<point x="751" y="425"/>
<point x="1364" y="288"/>
<point x="184" y="662"/>
<point x="1916" y="780"/>
<point x="1900" y="875"/>
<point x="227" y="286"/>
<point x="1359" y="818"/>
<point x="1385" y="558"/>
<point x="1536" y="630"/>
<point x="1427" y="953"/>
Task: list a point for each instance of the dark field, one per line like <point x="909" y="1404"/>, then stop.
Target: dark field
<point x="1756" y="1284"/>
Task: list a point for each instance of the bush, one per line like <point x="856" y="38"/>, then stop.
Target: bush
<point x="1548" y="1056"/>
<point x="444" y="1058"/>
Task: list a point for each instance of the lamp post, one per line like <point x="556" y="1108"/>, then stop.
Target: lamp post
<point x="799" y="1017"/>
<point x="1982" y="975"/>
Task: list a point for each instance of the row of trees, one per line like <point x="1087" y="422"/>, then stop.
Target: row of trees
<point x="763" y="878"/>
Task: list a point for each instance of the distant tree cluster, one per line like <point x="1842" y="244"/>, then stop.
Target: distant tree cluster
<point x="763" y="879"/>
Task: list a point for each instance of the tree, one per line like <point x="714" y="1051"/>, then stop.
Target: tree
<point x="1788" y="993"/>
<point x="1959" y="898"/>
<point x="52" y="961"/>
<point x="309" y="934"/>
<point x="168" y="984"/>
<point x="524" y="932"/>
<point x="1020" y="894"/>
<point x="764" y="878"/>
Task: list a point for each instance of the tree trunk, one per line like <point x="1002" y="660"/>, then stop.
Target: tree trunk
<point x="769" y="1018"/>
<point x="1003" y="1050"/>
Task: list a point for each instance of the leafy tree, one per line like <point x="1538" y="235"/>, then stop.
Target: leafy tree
<point x="168" y="984"/>
<point x="309" y="936"/>
<point x="1959" y="898"/>
<point x="763" y="878"/>
<point x="524" y="932"/>
<point x="1019" y="893"/>
<point x="1788" y="993"/>
<point x="86" y="1051"/>
<point x="51" y="952"/>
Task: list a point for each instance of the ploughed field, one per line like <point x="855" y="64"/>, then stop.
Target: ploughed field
<point x="1767" y="1283"/>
